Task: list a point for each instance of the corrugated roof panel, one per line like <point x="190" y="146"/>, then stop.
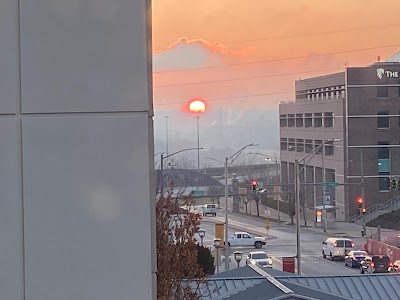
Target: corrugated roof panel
<point x="394" y="282"/>
<point x="339" y="286"/>
<point x="223" y="288"/>
<point x="394" y="58"/>
<point x="375" y="288"/>
<point x="363" y="287"/>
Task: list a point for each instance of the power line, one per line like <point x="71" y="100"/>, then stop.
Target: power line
<point x="233" y="97"/>
<point x="277" y="59"/>
<point x="310" y="34"/>
<point x="246" y="78"/>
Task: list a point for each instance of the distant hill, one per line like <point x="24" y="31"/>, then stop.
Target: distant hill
<point x="389" y="221"/>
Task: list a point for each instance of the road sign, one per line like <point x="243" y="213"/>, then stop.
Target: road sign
<point x="267" y="224"/>
<point x="329" y="184"/>
<point x="327" y="197"/>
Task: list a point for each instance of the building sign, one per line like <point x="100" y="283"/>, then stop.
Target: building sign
<point x="381" y="72"/>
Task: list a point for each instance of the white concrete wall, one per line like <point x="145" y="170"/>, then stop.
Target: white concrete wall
<point x="76" y="152"/>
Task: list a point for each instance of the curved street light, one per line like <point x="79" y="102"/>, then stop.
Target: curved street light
<point x="232" y="159"/>
<point x="162" y="164"/>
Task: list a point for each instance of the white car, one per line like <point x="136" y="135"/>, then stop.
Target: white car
<point x="210" y="209"/>
<point x="259" y="258"/>
<point x="243" y="238"/>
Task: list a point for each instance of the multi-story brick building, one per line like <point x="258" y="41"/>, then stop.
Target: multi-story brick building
<point x="361" y="108"/>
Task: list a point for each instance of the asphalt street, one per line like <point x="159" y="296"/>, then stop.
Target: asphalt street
<point x="281" y="242"/>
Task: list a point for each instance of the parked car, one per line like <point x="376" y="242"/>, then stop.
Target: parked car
<point x="210" y="209"/>
<point x="337" y="247"/>
<point x="259" y="258"/>
<point x="245" y="239"/>
<point x="354" y="258"/>
<point x="395" y="267"/>
<point x="375" y="264"/>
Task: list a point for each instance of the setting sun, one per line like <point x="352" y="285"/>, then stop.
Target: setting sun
<point x="197" y="106"/>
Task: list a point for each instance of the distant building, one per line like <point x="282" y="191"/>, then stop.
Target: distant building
<point x="361" y="107"/>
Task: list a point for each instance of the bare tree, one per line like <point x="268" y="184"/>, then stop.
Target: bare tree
<point x="177" y="252"/>
<point x="182" y="162"/>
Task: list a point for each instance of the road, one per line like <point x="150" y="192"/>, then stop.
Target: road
<point x="281" y="242"/>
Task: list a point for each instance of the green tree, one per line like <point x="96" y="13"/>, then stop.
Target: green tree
<point x="205" y="260"/>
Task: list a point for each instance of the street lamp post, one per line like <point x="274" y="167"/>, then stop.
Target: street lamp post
<point x="217" y="244"/>
<point x="162" y="165"/>
<point x="202" y="234"/>
<point x="198" y="144"/>
<point x="238" y="257"/>
<point x="232" y="158"/>
<point x="297" y="196"/>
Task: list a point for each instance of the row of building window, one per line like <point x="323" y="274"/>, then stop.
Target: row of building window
<point x="307" y="120"/>
<point x="337" y="92"/>
<point x="305" y="145"/>
<point x="333" y="92"/>
<point x="384" y="119"/>
<point x="383" y="91"/>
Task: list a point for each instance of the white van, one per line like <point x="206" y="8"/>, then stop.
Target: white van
<point x="337" y="247"/>
<point x="210" y="209"/>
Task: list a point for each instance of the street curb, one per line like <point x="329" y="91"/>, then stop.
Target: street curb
<point x="269" y="237"/>
<point x="257" y="217"/>
<point x="308" y="228"/>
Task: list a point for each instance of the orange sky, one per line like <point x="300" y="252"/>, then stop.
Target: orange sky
<point x="214" y="27"/>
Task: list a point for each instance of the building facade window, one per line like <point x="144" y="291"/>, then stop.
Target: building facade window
<point x="308" y="120"/>
<point x="299" y="145"/>
<point x="299" y="120"/>
<point x="383" y="122"/>
<point x="284" y="144"/>
<point x="328" y="119"/>
<point x="384" y="165"/>
<point x="283" y="120"/>
<point x="318" y="143"/>
<point x="329" y="148"/>
<point x="292" y="145"/>
<point x="309" y="146"/>
<point x="291" y="120"/>
<point x="317" y="119"/>
<point x="383" y="92"/>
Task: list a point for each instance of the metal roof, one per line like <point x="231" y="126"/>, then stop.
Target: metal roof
<point x="224" y="288"/>
<point x="363" y="287"/>
<point x="394" y="58"/>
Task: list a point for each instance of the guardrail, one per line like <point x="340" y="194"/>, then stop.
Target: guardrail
<point x="377" y="210"/>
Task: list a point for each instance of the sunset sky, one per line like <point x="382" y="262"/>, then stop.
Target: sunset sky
<point x="288" y="39"/>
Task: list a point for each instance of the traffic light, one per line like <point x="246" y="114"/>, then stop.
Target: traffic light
<point x="388" y="182"/>
<point x="360" y="201"/>
<point x="254" y="185"/>
<point x="393" y="183"/>
<point x="364" y="210"/>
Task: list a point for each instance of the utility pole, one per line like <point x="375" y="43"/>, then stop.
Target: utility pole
<point x="166" y="132"/>
<point x="297" y="195"/>
<point x="226" y="215"/>
<point x="162" y="175"/>
<point x="198" y="145"/>
<point x="362" y="188"/>
<point x="324" y="190"/>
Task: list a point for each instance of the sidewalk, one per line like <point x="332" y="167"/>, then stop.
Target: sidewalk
<point x="343" y="229"/>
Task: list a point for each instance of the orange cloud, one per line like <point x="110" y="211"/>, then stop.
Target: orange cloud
<point x="215" y="47"/>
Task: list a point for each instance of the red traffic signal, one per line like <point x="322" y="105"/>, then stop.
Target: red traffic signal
<point x="254" y="184"/>
<point x="360" y="200"/>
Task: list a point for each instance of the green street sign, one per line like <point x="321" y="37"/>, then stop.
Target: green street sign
<point x="329" y="184"/>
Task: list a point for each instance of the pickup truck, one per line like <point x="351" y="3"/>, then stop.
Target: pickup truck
<point x="245" y="239"/>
